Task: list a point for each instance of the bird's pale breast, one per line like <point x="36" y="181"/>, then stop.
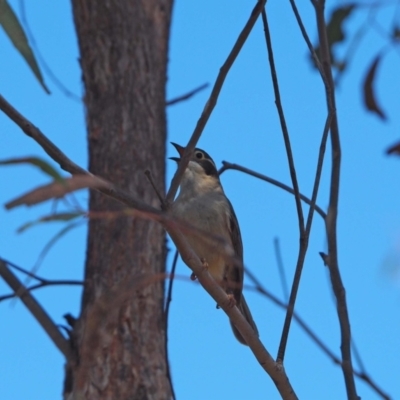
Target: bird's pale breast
<point x="209" y="213"/>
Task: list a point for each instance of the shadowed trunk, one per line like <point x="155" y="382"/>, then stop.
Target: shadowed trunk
<point x="119" y="337"/>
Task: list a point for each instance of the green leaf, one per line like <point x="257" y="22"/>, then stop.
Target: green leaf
<point x="50" y="218"/>
<point x="14" y="30"/>
<point x="37" y="162"/>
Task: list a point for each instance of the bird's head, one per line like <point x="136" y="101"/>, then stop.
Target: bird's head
<point x="201" y="173"/>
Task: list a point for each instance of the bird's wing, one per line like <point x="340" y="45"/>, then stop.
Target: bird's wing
<point x="234" y="272"/>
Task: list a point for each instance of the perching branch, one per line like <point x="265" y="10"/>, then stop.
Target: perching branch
<point x="174" y="229"/>
<point x="212" y="101"/>
<point x="36" y="310"/>
<point x="275" y="371"/>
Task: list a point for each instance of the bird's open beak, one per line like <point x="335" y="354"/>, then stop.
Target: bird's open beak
<point x="180" y="150"/>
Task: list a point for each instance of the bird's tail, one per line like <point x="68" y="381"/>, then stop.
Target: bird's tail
<point x="244" y="309"/>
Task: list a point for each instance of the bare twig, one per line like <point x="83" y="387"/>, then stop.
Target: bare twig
<point x="36" y="310"/>
<point x="43" y="284"/>
<point x="170" y="286"/>
<point x="331" y="220"/>
<point x="282" y="120"/>
<point x="304" y="244"/>
<point x="166" y="318"/>
<point x="227" y="166"/>
<point x="186" y="96"/>
<point x="302" y="233"/>
<point x="68" y="165"/>
<point x="313" y="336"/>
<point x="212" y="101"/>
<point x="307" y="39"/>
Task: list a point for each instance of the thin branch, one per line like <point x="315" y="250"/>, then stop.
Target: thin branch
<point x="307" y="39"/>
<point x="23" y="270"/>
<point x="166" y="319"/>
<point x="187" y="96"/>
<point x="304" y="244"/>
<point x="331" y="220"/>
<point x="42" y="285"/>
<point x="212" y="101"/>
<point x="170" y="287"/>
<point x="303" y="235"/>
<point x="236" y="167"/>
<point x="313" y="336"/>
<point x="36" y="310"/>
<point x="282" y="120"/>
<point x="68" y="165"/>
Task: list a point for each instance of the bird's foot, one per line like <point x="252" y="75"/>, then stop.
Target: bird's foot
<point x="231" y="300"/>
<point x="205" y="263"/>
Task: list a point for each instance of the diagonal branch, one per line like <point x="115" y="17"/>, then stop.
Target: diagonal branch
<point x="212" y="101"/>
<point x="36" y="310"/>
<point x="68" y="165"/>
<point x="274" y="370"/>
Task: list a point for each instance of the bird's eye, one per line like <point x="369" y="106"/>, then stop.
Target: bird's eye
<point x="199" y="155"/>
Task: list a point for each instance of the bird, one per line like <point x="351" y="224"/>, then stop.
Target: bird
<point x="202" y="203"/>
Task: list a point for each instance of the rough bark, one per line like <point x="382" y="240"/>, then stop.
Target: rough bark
<point x="119" y="337"/>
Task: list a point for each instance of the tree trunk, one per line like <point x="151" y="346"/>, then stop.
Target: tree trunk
<point x="119" y="337"/>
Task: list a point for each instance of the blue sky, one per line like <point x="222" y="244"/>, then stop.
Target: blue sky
<point x="206" y="360"/>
